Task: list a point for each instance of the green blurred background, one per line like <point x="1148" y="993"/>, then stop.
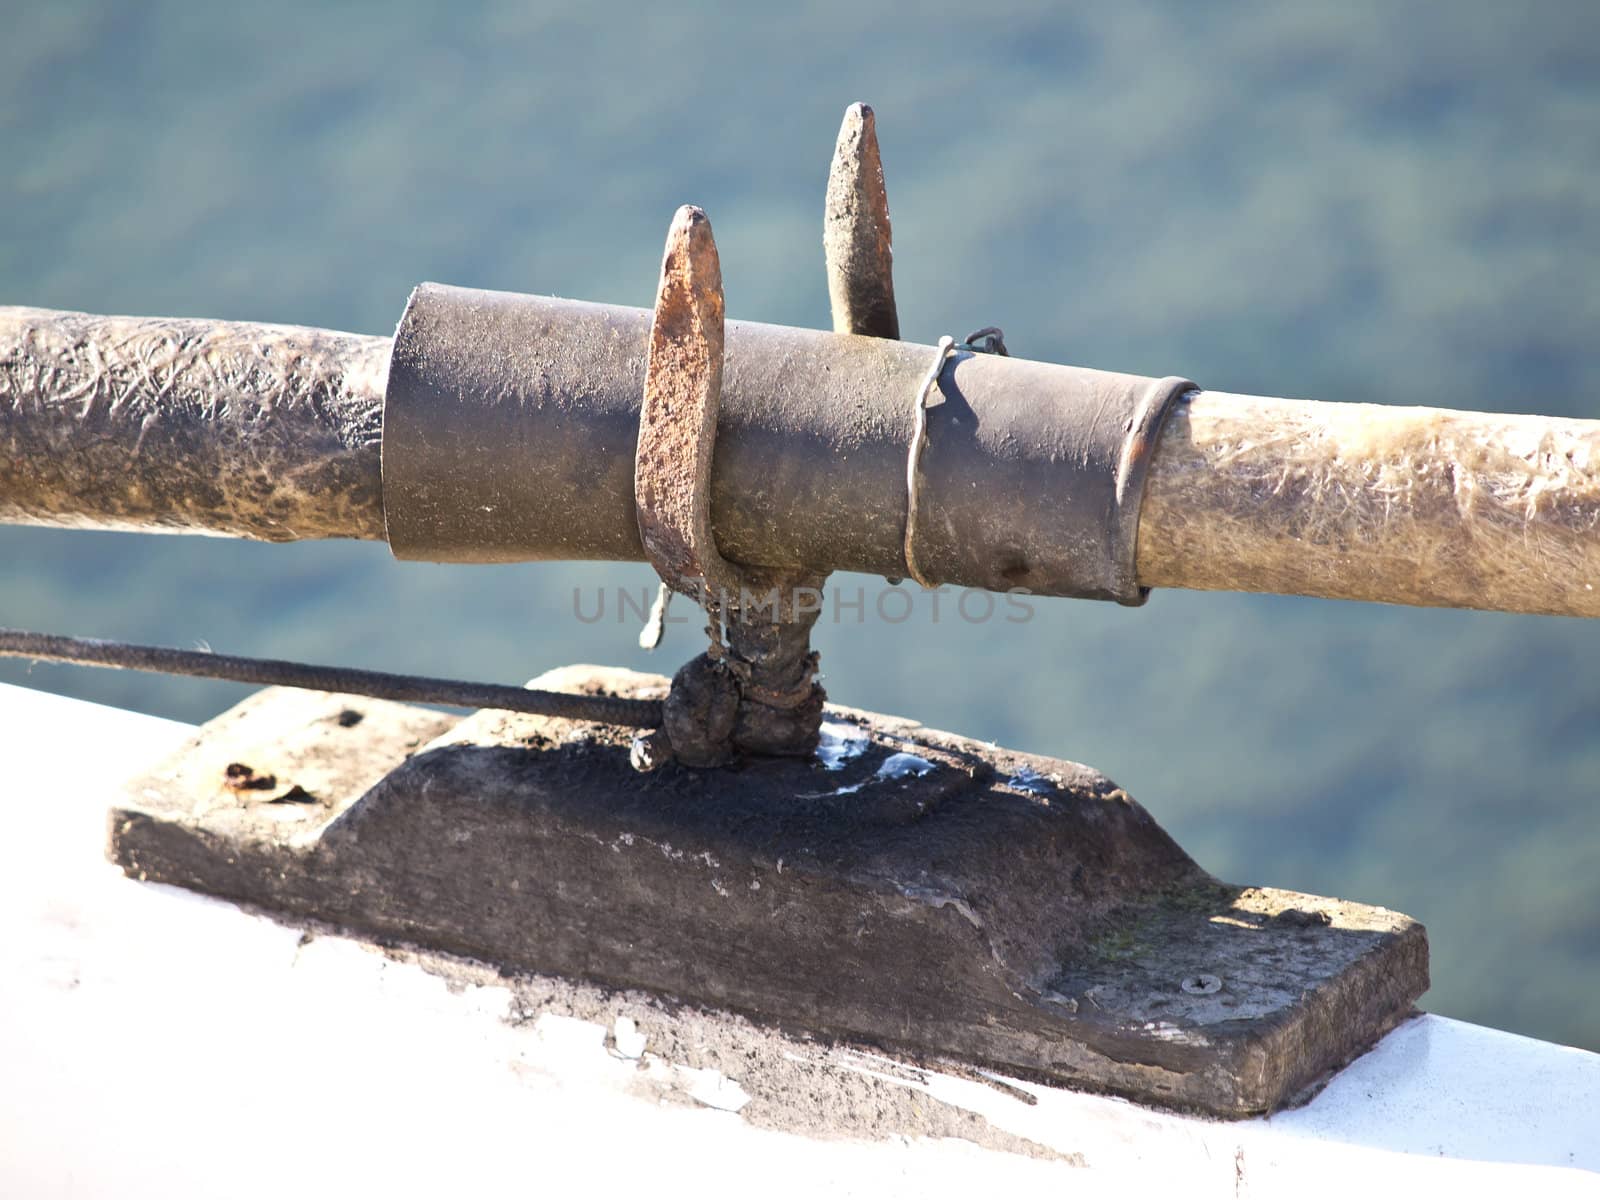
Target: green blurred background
<point x="1364" y="201"/>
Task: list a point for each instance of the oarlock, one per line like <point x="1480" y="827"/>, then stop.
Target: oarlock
<point x="915" y="890"/>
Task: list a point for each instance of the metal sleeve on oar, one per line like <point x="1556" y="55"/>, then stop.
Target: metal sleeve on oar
<point x="511" y="421"/>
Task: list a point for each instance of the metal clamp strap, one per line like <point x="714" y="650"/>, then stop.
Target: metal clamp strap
<point x="991" y="339"/>
<point x="919" y="442"/>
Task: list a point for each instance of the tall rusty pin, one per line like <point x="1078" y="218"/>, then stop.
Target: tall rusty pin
<point x="856" y="238"/>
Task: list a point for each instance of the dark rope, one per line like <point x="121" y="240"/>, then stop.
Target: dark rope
<point x="92" y="652"/>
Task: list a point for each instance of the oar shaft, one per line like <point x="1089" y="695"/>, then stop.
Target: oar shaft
<point x="275" y="433"/>
<point x="269" y="432"/>
<point x="1367" y="502"/>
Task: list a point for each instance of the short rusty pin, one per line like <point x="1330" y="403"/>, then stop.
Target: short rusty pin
<point x="755" y="691"/>
<point x="678" y="422"/>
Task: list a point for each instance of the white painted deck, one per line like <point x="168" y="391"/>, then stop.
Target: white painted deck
<point x="154" y="1042"/>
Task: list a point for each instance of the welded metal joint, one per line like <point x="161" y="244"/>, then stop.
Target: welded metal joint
<point x="753" y="690"/>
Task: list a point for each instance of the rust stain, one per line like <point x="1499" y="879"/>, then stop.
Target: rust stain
<point x="241" y="777"/>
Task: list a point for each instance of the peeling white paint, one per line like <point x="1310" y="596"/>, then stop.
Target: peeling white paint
<point x="1026" y="779"/>
<point x="896" y="766"/>
<point x="840" y="742"/>
<point x="711" y="1088"/>
<point x="626" y="1039"/>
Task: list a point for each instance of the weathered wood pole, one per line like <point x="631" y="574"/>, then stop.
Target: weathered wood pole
<point x="271" y="432"/>
<point x="1424" y="506"/>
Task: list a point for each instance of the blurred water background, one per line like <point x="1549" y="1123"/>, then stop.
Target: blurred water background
<point x="1365" y="201"/>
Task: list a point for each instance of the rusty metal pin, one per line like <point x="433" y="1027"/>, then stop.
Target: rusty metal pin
<point x="856" y="238"/>
<point x="678" y="421"/>
<point x="919" y="443"/>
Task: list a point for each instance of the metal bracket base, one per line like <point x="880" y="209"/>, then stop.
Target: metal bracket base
<point x="932" y="895"/>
